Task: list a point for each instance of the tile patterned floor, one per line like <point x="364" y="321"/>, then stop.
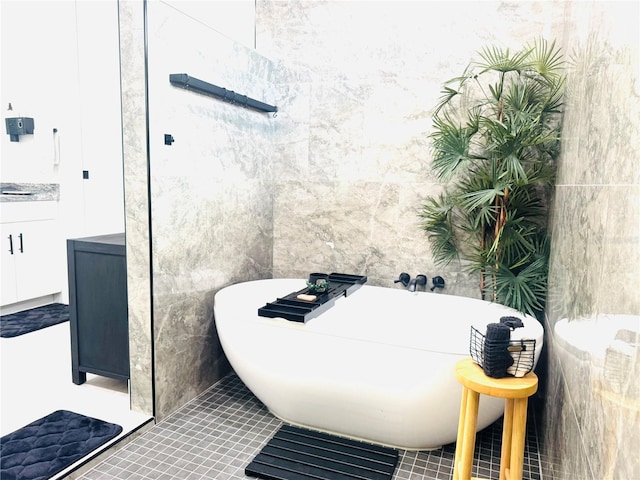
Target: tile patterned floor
<point x="217" y="434"/>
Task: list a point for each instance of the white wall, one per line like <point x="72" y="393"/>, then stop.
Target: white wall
<point x="60" y="65"/>
<point x="39" y="79"/>
<point x="100" y="116"/>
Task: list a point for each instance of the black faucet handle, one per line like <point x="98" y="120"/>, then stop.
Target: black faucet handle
<point x="438" y="282"/>
<point x="404" y="279"/>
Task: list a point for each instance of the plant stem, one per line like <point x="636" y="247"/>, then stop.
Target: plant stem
<point x="482" y="270"/>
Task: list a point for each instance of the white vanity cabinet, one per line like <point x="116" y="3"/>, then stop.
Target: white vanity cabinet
<point x="30" y="250"/>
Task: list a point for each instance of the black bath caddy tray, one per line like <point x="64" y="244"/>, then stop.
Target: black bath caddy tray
<point x="296" y="310"/>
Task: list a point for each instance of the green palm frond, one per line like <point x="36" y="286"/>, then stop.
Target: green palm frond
<point x="478" y="261"/>
<point x="476" y="199"/>
<point x="541" y="173"/>
<point x="482" y="216"/>
<point x="481" y="179"/>
<point x="524" y="98"/>
<point x="556" y="88"/>
<point x="448" y="93"/>
<point x="496" y="90"/>
<point x="436" y="222"/>
<point x="523" y="289"/>
<point x="499" y="60"/>
<point x="450" y="143"/>
<point x="525" y="202"/>
<point x="545" y="59"/>
<point x="514" y="170"/>
<point x="515" y="240"/>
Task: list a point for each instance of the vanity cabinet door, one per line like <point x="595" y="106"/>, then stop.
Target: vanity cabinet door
<point x="37" y="259"/>
<point x="9" y="291"/>
<point x="30" y="258"/>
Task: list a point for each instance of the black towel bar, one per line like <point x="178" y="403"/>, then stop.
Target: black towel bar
<point x="190" y="83"/>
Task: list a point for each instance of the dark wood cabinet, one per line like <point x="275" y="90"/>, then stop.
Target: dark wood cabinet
<point x="98" y="307"/>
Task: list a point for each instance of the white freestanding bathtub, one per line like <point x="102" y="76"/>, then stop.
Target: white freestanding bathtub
<point x="377" y="366"/>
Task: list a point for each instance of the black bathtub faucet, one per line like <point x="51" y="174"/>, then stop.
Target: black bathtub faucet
<point x="409" y="284"/>
<point x="419" y="280"/>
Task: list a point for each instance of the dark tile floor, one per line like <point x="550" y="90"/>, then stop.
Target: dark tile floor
<point x="217" y="434"/>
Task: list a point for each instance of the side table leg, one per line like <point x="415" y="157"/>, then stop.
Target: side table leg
<point x="459" y="438"/>
<point x="507" y="431"/>
<point x="469" y="436"/>
<point x="518" y="438"/>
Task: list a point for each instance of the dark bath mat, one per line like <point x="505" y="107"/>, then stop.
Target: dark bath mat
<point x="34" y="319"/>
<point x="49" y="445"/>
<point x="298" y="454"/>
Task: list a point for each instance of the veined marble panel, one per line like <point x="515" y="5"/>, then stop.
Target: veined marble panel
<point x="333" y="226"/>
<point x="211" y="194"/>
<point x="361" y="228"/>
<point x="131" y="15"/>
<point x="358" y="133"/>
<point x="602" y="93"/>
<point x="364" y="40"/>
<point x="592" y="417"/>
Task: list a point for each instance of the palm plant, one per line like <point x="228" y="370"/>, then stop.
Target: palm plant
<point x="495" y="143"/>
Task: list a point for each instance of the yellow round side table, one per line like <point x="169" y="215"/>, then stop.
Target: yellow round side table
<point x="516" y="392"/>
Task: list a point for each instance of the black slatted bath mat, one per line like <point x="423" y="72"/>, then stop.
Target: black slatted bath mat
<point x="47" y="446"/>
<point x="19" y="323"/>
<point x="300" y="454"/>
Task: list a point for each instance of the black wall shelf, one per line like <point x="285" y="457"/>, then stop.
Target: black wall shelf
<point x="291" y="308"/>
<point x="190" y="83"/>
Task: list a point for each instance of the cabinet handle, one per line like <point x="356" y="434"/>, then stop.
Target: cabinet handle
<point x="10" y="237"/>
<point x="21" y="245"/>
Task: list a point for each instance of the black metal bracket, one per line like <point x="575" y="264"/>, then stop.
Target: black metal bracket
<point x="189" y="83"/>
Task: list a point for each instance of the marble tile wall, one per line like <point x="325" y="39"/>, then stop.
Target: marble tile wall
<point x="199" y="211"/>
<point x="356" y="166"/>
<point x="591" y="420"/>
<point x="137" y="225"/>
<point x="210" y="194"/>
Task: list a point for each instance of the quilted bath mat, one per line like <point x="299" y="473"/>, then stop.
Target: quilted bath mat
<point x="34" y="319"/>
<point x="49" y="445"/>
<point x="298" y="454"/>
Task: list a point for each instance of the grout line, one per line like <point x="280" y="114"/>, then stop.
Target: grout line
<point x="537" y="439"/>
<point x="595" y="185"/>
